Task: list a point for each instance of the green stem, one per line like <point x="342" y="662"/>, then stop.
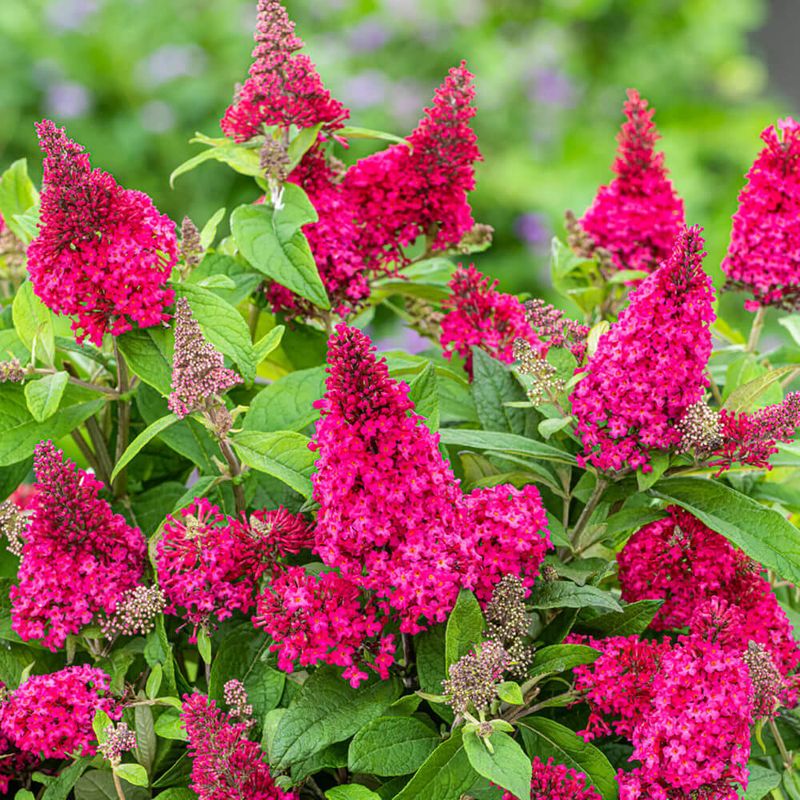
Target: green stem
<point x="123" y="419"/>
<point x="118" y="786"/>
<point x="235" y="469"/>
<point x="104" y="465"/>
<point x="756" y="330"/>
<point x="785" y="754"/>
<point x="588" y="510"/>
<point x="252" y="320"/>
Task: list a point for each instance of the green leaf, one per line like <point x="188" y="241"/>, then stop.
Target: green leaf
<point x="20" y="432"/>
<point x="60" y="788"/>
<point x="154" y="681"/>
<point x="242" y="655"/>
<point x="282" y="454"/>
<point x="631" y="621"/>
<point x="17" y="195"/>
<point x="288" y="403"/>
<point x="222" y="325"/>
<point x="240" y="277"/>
<point x="204" y="645"/>
<point x="351" y="791"/>
<point x="659" y="462"/>
<point x="24" y="794"/>
<point x="135" y="774"/>
<point x="148" y="353"/>
<point x="492" y="386"/>
<point x="44" y="395"/>
<point x="546" y="738"/>
<point x="326" y="711"/>
<point x="547" y="427"/>
<point x="353" y="132"/>
<point x="99" y="785"/>
<point x="424" y="393"/>
<point x="147" y="435"/>
<point x="465" y="627"/>
<point x="240" y="158"/>
<point x="745" y="398"/>
<point x="561" y="657"/>
<point x="763" y="533"/>
<point x="761" y="782"/>
<point x="301" y="144"/>
<point x="507" y="443"/>
<point x="431" y="669"/>
<point x="565" y="594"/>
<point x="511" y="693"/>
<point x="267" y="343"/>
<point x="273" y="243"/>
<point x="792" y="324"/>
<point x="507" y="766"/>
<point x="34" y="322"/>
<point x="100" y="722"/>
<point x="445" y="775"/>
<point x="169" y="725"/>
<point x="390" y="746"/>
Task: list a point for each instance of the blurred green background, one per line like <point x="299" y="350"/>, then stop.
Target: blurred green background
<point x="133" y="79"/>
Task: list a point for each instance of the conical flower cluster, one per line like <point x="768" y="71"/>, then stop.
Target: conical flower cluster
<point x="284" y="87"/>
<point x="392" y="517"/>
<point x="639" y="214"/>
<point x="649" y="368"/>
<point x="103" y="253"/>
<point x="199" y="374"/>
<point x="764" y="253"/>
<point x="71" y="532"/>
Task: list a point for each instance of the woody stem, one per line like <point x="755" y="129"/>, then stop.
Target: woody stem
<point x="755" y="331"/>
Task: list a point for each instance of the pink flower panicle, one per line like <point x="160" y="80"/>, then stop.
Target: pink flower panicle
<point x="71" y="531"/>
<point x="638" y="215"/>
<point x="392" y="517"/>
<point x="103" y="254"/>
<point x="284" y="87"/>
<point x="225" y="763"/>
<point x="334" y="240"/>
<point x="324" y="619"/>
<point x="15" y="764"/>
<point x="752" y="438"/>
<point x="276" y="535"/>
<point x="136" y="612"/>
<point x="480" y="316"/>
<point x="199" y="375"/>
<point x="764" y="252"/>
<point x="552" y="329"/>
<point x="551" y="781"/>
<point x="206" y="565"/>
<point x="51" y="715"/>
<point x="680" y="560"/>
<point x="649" y="368"/>
<point x="419" y="187"/>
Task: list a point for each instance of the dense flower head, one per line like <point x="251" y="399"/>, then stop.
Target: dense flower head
<point x="206" y="565"/>
<point x="473" y="680"/>
<point x="51" y="715"/>
<point x="751" y="438"/>
<point x="225" y="763"/>
<point x="276" y="534"/>
<point x="119" y="739"/>
<point x="680" y="560"/>
<point x="392" y="517"/>
<point x="480" y="316"/>
<point x="552" y="329"/>
<point x="136" y="612"/>
<point x="694" y="741"/>
<point x="764" y="252"/>
<point x="315" y="619"/>
<point x="551" y="781"/>
<point x="284" y="87"/>
<point x="638" y="215"/>
<point x="199" y="374"/>
<point x="388" y="512"/>
<point x="14" y="763"/>
<point x="334" y="240"/>
<point x="419" y="187"/>
<point x="71" y="531"/>
<point x="649" y="367"/>
<point x="509" y="530"/>
<point x="103" y="254"/>
<point x="618" y="685"/>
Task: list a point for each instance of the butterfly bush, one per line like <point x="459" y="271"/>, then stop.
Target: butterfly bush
<point x="103" y="254"/>
<point x="566" y="572"/>
<point x="763" y="257"/>
<point x="71" y="532"/>
<point x="638" y="215"/>
<point x="649" y="368"/>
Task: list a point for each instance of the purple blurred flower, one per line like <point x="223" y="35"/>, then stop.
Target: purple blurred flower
<point x="157" y="117"/>
<point x="70" y="15"/>
<point x="404" y="339"/>
<point x="533" y="230"/>
<point x="67" y="100"/>
<point x="172" y="61"/>
<point x="370" y="34"/>
<point x="365" y="89"/>
<point x="552" y="87"/>
<point x="407" y="99"/>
